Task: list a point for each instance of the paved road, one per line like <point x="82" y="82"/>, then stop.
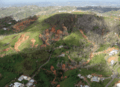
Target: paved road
<point x="113" y="76"/>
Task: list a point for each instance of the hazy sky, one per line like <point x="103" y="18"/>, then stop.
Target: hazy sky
<point x="32" y="1"/>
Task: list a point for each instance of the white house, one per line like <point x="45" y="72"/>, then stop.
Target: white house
<point x="20" y="78"/>
<point x="79" y="75"/>
<point x="86" y="86"/>
<point x="112" y="62"/>
<point x="95" y="79"/>
<point x="60" y="46"/>
<point x="11" y="85"/>
<point x="23" y="77"/>
<point x="62" y="55"/>
<point x="4" y="28"/>
<point x="32" y="80"/>
<point x="89" y="76"/>
<point x="113" y="52"/>
<point x="17" y="84"/>
<point x="9" y="23"/>
<point x="30" y="83"/>
<point x="118" y="85"/>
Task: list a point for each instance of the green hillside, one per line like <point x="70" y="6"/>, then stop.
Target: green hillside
<point x="82" y="36"/>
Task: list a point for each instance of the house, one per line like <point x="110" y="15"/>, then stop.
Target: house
<point x="112" y="62"/>
<point x="11" y="85"/>
<point x="102" y="79"/>
<point x="60" y="46"/>
<point x="4" y="28"/>
<point x="86" y="86"/>
<point x="30" y="83"/>
<point x="9" y="23"/>
<point x="20" y="78"/>
<point x="113" y="52"/>
<point x="89" y="76"/>
<point x="62" y="55"/>
<point x="79" y="75"/>
<point x="23" y="77"/>
<point x="95" y="79"/>
<point x="17" y="84"/>
<point x="118" y="85"/>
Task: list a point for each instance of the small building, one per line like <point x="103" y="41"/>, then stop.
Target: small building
<point x="112" y="62"/>
<point x="79" y="75"/>
<point x="102" y="79"/>
<point x="95" y="79"/>
<point x="62" y="55"/>
<point x="118" y="85"/>
<point x="24" y="77"/>
<point x="11" y="85"/>
<point x="60" y="46"/>
<point x="4" y="28"/>
<point x="9" y="23"/>
<point x="113" y="52"/>
<point x="17" y="84"/>
<point x="30" y="83"/>
<point x="20" y="78"/>
<point x="89" y="76"/>
<point x="86" y="86"/>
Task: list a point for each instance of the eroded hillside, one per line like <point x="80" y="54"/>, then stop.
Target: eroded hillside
<point x="56" y="49"/>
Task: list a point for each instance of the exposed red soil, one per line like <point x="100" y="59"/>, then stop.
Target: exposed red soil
<point x="69" y="58"/>
<point x="58" y="85"/>
<point x="56" y="39"/>
<point x="40" y="35"/>
<point x="36" y="45"/>
<point x="65" y="77"/>
<point x="92" y="54"/>
<point x="94" y="74"/>
<point x="62" y="77"/>
<point x="86" y="37"/>
<point x="63" y="66"/>
<point x="59" y="32"/>
<point x="47" y="31"/>
<point x="7" y="49"/>
<point x="43" y="45"/>
<point x="22" y="25"/>
<point x="48" y="34"/>
<point x="111" y="58"/>
<point x="53" y="30"/>
<point x="2" y="55"/>
<point x="20" y="40"/>
<point x="51" y="68"/>
<point x="33" y="42"/>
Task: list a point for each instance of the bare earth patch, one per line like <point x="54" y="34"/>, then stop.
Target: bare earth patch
<point x="20" y="40"/>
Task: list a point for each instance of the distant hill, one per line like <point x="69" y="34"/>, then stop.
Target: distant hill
<point x="98" y="9"/>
